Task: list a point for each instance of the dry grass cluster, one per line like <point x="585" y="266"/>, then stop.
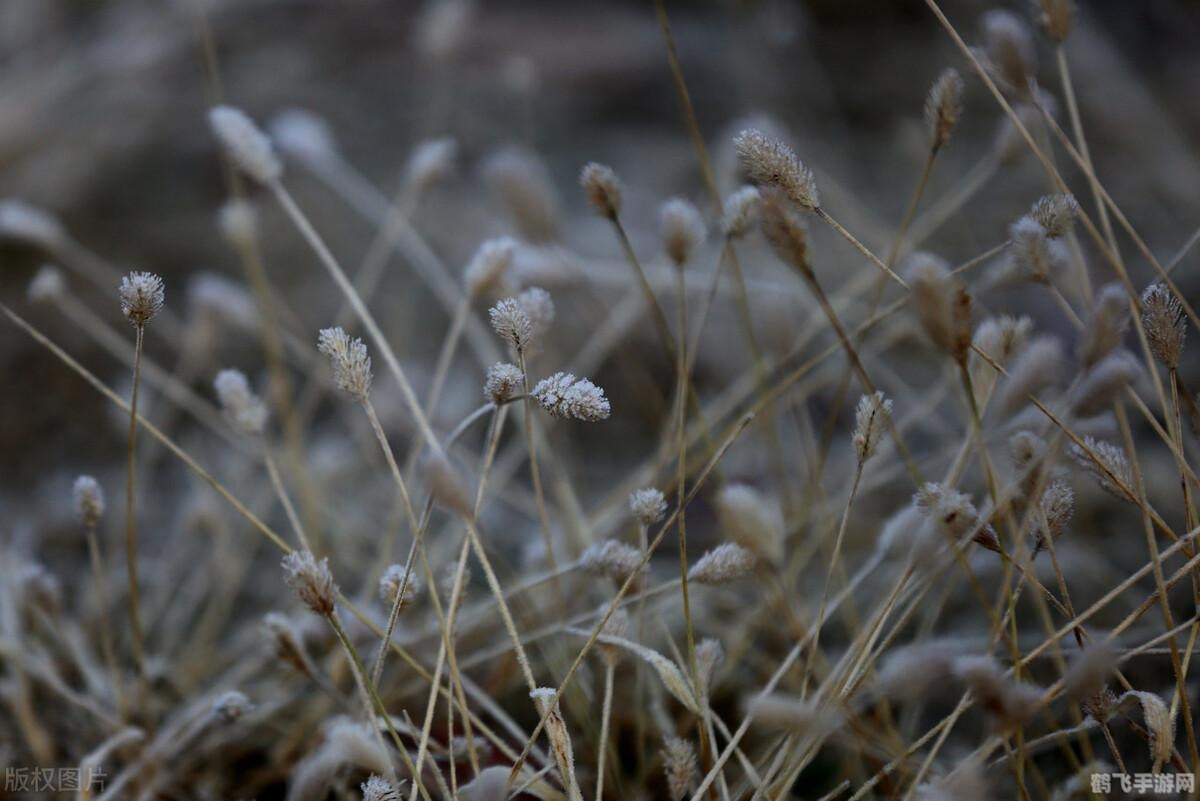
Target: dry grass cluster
<point x="744" y="486"/>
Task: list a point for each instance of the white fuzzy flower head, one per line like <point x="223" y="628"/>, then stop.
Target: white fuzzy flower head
<point x="539" y="306"/>
<point x="504" y="382"/>
<point x="311" y="580"/>
<point x="242" y="407"/>
<point x="237" y="221"/>
<point x="1107" y="464"/>
<point x="648" y="505"/>
<point x="393" y="580"/>
<point x="431" y="162"/>
<point x="47" y="284"/>
<point x="682" y="230"/>
<point x="377" y="788"/>
<point x="487" y="268"/>
<point x="870" y="419"/>
<point x="26" y="223"/>
<point x="563" y="395"/>
<point x="769" y="162"/>
<point x="603" y="189"/>
<point x="611" y="558"/>
<point x="142" y="296"/>
<point x="89" y="501"/>
<point x="245" y="143"/>
<point x="510" y="321"/>
<point x="740" y="212"/>
<point x="1055" y="213"/>
<point x="723" y="564"/>
<point x="303" y="135"/>
<point x="350" y="362"/>
<point x="232" y="706"/>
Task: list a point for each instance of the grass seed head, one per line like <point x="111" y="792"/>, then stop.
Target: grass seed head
<point x="564" y="395"/>
<point x="312" y="581"/>
<point x="1106" y="326"/>
<point x="142" y="297"/>
<point x="504" y="382"/>
<point x="769" y="162"/>
<point x="724" y="564"/>
<point x="603" y="189"/>
<point x="679" y="765"/>
<point x="943" y="106"/>
<point x="683" y="230"/>
<point x="350" y="362"/>
<point x="242" y="407"/>
<point x="648" y="505"/>
<point x="89" y="501"/>
<point x="246" y="144"/>
<point x="1165" y="322"/>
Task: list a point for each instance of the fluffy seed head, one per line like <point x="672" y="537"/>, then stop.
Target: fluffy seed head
<point x="1089" y="671"/>
<point x="377" y="788"/>
<point x="302" y="134"/>
<point x="142" y="296"/>
<point x="785" y="230"/>
<point x="245" y="143"/>
<point x="1033" y="255"/>
<point x="912" y="671"/>
<point x="682" y="230"/>
<point x="943" y="107"/>
<point x="511" y="321"/>
<point x="1159" y="722"/>
<point x="870" y="419"/>
<point x="1165" y="323"/>
<point x="1002" y="337"/>
<point x="288" y="641"/>
<point x="545" y="698"/>
<point x="564" y="395"/>
<point x="522" y="183"/>
<point x="430" y="162"/>
<point x="603" y="189"/>
<point x="793" y="714"/>
<point x="942" y="305"/>
<point x="350" y="362"/>
<point x="232" y="706"/>
<point x="23" y="222"/>
<point x="311" y="580"/>
<point x="1037" y="367"/>
<point x="1010" y="54"/>
<point x="1056" y="214"/>
<point x="47" y="284"/>
<point x="1010" y="702"/>
<point x="1057" y="508"/>
<point x="487" y="267"/>
<point x="242" y="407"/>
<point x="504" y="382"/>
<point x="723" y="564"/>
<point x="391" y="582"/>
<point x="237" y="222"/>
<point x="1055" y="18"/>
<point x="89" y="501"/>
<point x="679" y="764"/>
<point x="1106" y="326"/>
<point x="1107" y="464"/>
<point x="539" y="306"/>
<point x="740" y="212"/>
<point x="611" y="558"/>
<point x="752" y="520"/>
<point x="769" y="162"/>
<point x="957" y="516"/>
<point x="1104" y="383"/>
<point x="648" y="505"/>
<point x="709" y="656"/>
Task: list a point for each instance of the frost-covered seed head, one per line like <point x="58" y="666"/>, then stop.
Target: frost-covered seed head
<point x="1106" y="326"/>
<point x="942" y="305"/>
<point x="679" y="764"/>
<point x="89" y="501"/>
<point x="350" y="362"/>
<point x="682" y="228"/>
<point x="539" y="306"/>
<point x="740" y="212"/>
<point x="242" y="407"/>
<point x="504" y="382"/>
<point x="47" y="284"/>
<point x="1056" y="214"/>
<point x="1009" y="50"/>
<point x="752" y="520"/>
<point x="564" y="395"/>
<point x="377" y="788"/>
<point x="648" y="505"/>
<point x="142" y="296"/>
<point x="1057" y="508"/>
<point x="1103" y="384"/>
<point x="232" y="706"/>
<point x="245" y="143"/>
<point x="311" y="580"/>
<point x="302" y="134"/>
<point x="1032" y="254"/>
<point x="24" y="222"/>
<point x="1036" y="368"/>
<point x="723" y="564"/>
<point x="1012" y="703"/>
<point x="1165" y="322"/>
<point x="431" y="162"/>
<point x="511" y="322"/>
<point x="784" y="230"/>
<point x="611" y="558"/>
<point x="237" y="221"/>
<point x="392" y="580"/>
<point x="1107" y="464"/>
<point x="488" y="266"/>
<point x="769" y="162"/>
<point x="956" y="514"/>
<point x="943" y="107"/>
<point x="870" y="419"/>
<point x="1002" y="337"/>
<point x="603" y="189"/>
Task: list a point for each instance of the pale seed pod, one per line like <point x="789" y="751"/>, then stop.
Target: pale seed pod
<point x="245" y="143"/>
<point x="242" y="407"/>
<point x="1106" y="326"/>
<point x="648" y="505"/>
<point x="1008" y="46"/>
<point x="511" y="322"/>
<point x="539" y="306"/>
<point x="564" y="395"/>
<point x="430" y="162"/>
<point x="726" y="563"/>
<point x="870" y="419"/>
<point x="89" y="501"/>
<point x="142" y="297"/>
<point x="603" y="189"/>
<point x="942" y="305"/>
<point x="377" y="788"/>
<point x="1056" y="214"/>
<point x="785" y="232"/>
<point x="1037" y="367"/>
<point x="312" y="581"/>
<point x="560" y="739"/>
<point x="611" y="558"/>
<point x="683" y="230"/>
<point x="391" y="583"/>
<point x="740" y="212"/>
<point x="769" y="162"/>
<point x="504" y="382"/>
<point x="350" y="361"/>
<point x="1107" y="464"/>
<point x="943" y="107"/>
<point x="679" y="765"/>
<point x="1165" y="323"/>
<point x="1089" y="671"/>
<point x="303" y="135"/>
